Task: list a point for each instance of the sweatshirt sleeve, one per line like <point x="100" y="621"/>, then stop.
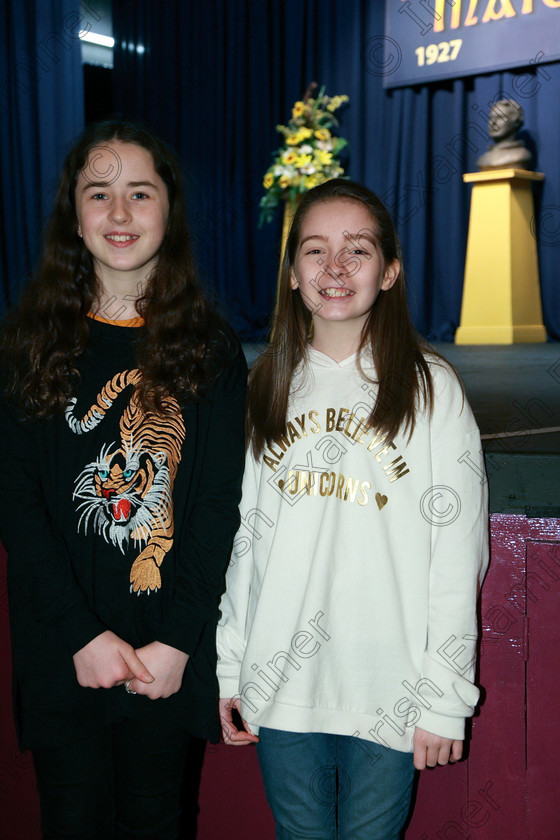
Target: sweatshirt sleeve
<point x="214" y="517"/>
<point x="234" y="607"/>
<point x="456" y="508"/>
<point x="40" y="569"/>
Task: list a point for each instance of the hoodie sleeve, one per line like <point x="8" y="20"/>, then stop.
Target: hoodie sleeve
<point x="232" y="630"/>
<point x="456" y="508"/>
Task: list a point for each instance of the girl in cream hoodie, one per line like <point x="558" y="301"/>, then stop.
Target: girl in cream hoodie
<point x="346" y="647"/>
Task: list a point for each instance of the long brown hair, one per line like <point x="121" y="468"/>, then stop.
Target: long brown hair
<point x="402" y="372"/>
<point x="49" y="329"/>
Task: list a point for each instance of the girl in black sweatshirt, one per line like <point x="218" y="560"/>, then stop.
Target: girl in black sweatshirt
<point x="121" y="430"/>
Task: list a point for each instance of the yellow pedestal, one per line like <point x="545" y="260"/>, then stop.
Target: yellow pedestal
<point x="289" y="210"/>
<point x="501" y="295"/>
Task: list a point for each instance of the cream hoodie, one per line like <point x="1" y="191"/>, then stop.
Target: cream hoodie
<point x="351" y="594"/>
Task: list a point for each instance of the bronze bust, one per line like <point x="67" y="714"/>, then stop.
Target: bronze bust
<point x="506" y="118"/>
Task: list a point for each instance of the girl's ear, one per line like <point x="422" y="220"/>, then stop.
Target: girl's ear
<point x="294" y="283"/>
<point x="390" y="275"/>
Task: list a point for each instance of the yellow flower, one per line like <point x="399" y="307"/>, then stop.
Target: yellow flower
<point x="322" y="134"/>
<point x="324" y="158"/>
<point x="312" y="181"/>
<point x="289" y="157"/>
<point x="298" y="109"/>
<point x="268" y="180"/>
<point x="300" y="135"/>
<point x="284" y="181"/>
<point x="336" y="102"/>
<point x="303" y="160"/>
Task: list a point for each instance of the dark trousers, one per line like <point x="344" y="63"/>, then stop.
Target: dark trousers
<point x="120" y="783"/>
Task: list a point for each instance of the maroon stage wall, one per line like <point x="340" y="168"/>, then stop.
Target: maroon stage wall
<point x="507" y="789"/>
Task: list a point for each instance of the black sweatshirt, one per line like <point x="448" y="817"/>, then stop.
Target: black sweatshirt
<point x="115" y="519"/>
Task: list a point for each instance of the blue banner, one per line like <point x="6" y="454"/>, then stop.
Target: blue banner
<point x="429" y="40"/>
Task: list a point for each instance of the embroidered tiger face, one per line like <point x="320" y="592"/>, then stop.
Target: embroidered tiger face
<point x="123" y="493"/>
<point x="126" y="493"/>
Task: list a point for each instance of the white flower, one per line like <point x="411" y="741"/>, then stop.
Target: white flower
<point x="306" y="149"/>
<point x="309" y="169"/>
<point x="290" y="171"/>
<point x="325" y="145"/>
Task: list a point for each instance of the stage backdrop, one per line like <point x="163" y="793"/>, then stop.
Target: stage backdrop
<point x="41" y="111"/>
<point x="215" y="78"/>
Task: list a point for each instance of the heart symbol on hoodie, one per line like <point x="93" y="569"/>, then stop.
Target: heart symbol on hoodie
<point x="381" y="500"/>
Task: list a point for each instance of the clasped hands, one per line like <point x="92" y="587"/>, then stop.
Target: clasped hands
<point x="155" y="670"/>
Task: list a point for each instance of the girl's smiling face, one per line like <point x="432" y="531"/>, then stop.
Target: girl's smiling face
<point x="122" y="208"/>
<point x="339" y="267"/>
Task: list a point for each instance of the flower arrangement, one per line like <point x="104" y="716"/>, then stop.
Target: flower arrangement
<point x="309" y="155"/>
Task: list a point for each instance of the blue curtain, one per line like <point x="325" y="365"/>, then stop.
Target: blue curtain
<point x="41" y="110"/>
<point x="215" y="78"/>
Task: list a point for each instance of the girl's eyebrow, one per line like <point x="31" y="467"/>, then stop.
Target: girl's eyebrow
<point x="96" y="184"/>
<point x="142" y="184"/>
<point x="362" y="234"/>
<point x="130" y="185"/>
<point x="314" y="236"/>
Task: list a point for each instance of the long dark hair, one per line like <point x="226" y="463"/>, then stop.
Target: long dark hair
<point x="49" y="329"/>
<point x="402" y="371"/>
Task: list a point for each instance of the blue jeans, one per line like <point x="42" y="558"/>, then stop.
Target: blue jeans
<point x="323" y="787"/>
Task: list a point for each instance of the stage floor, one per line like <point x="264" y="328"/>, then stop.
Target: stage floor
<point x="513" y="389"/>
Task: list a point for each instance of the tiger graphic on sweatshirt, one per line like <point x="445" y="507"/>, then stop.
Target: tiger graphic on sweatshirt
<point x="125" y="495"/>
